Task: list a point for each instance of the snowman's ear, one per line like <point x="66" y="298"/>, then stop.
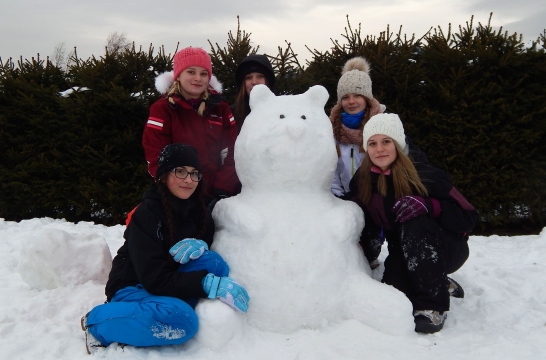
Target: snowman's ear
<point x="317" y="94"/>
<point x="259" y="94"/>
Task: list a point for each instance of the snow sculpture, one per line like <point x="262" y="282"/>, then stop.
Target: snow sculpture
<point x="287" y="239"/>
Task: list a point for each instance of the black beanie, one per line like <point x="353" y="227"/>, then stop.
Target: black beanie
<point x="174" y="155"/>
<point x="255" y="63"/>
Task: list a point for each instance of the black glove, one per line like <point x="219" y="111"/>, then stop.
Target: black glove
<point x="214" y="99"/>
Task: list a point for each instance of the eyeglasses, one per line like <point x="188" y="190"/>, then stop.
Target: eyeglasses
<point x="183" y="173"/>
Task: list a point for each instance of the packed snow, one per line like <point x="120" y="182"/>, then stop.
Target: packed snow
<point x="502" y="317"/>
<point x="293" y="245"/>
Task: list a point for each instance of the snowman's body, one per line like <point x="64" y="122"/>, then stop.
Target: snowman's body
<point x="290" y="242"/>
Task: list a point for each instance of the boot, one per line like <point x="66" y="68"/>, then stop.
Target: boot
<point x="455" y="289"/>
<point x="91" y="343"/>
<point x="429" y="321"/>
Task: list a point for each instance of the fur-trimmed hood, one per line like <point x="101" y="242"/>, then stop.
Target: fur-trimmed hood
<point x="164" y="81"/>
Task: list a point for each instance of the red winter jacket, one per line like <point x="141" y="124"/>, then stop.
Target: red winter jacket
<point x="209" y="134"/>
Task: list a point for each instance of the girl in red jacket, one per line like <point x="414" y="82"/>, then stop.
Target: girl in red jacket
<point x="191" y="111"/>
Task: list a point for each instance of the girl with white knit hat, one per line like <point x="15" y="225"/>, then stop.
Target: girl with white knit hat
<point x="355" y="105"/>
<point x="424" y="219"/>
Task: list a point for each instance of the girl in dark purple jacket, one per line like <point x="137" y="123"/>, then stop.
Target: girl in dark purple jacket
<point x="424" y="219"/>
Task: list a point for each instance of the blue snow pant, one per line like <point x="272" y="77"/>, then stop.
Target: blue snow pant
<point x="135" y="317"/>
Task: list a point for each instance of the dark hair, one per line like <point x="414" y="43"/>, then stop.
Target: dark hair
<point x="252" y="63"/>
<point x="242" y="108"/>
<point x="200" y="216"/>
<point x="255" y="63"/>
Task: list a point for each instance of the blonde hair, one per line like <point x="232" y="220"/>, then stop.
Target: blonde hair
<point x="405" y="178"/>
<point x="176" y="89"/>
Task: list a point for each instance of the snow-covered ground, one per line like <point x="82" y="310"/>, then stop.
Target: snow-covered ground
<point x="503" y="315"/>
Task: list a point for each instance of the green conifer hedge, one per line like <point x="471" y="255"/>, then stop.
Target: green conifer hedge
<point x="473" y="100"/>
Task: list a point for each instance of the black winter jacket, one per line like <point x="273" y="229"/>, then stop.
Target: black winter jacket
<point x="252" y="63"/>
<point x="144" y="257"/>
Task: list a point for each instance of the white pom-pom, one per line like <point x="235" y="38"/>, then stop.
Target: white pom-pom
<point x="357" y="63"/>
<point x="215" y="84"/>
<point x="164" y="81"/>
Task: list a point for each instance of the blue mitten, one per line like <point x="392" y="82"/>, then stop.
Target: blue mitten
<point x="227" y="291"/>
<point x="188" y="249"/>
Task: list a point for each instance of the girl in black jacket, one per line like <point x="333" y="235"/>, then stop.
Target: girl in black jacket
<point x="424" y="219"/>
<point x="253" y="70"/>
<point x="164" y="266"/>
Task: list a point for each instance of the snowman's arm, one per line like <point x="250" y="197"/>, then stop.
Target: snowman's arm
<point x="237" y="216"/>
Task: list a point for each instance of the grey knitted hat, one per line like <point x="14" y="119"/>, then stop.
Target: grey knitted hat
<point x="355" y="79"/>
<point x="385" y="124"/>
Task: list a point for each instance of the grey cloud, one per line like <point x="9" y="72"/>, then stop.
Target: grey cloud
<point x="31" y="26"/>
<point x="530" y="27"/>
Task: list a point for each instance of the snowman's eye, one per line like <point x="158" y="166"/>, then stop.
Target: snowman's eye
<point x="281" y="116"/>
<point x="303" y="117"/>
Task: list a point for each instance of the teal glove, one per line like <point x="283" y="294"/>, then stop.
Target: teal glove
<point x="188" y="249"/>
<point x="227" y="291"/>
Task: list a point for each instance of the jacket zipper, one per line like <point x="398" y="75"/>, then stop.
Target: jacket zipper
<point x="352" y="161"/>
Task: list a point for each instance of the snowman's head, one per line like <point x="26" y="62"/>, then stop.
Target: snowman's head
<point x="286" y="142"/>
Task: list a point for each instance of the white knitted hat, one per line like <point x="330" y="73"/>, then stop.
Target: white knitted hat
<point x="355" y="79"/>
<point x="385" y="124"/>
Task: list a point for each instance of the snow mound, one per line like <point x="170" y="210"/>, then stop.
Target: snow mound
<point x="53" y="258"/>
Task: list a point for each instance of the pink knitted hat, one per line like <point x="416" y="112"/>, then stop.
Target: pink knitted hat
<point x="191" y="57"/>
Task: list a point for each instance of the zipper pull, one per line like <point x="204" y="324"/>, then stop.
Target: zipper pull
<point x="352" y="149"/>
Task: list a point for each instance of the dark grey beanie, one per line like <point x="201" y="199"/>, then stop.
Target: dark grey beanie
<point x="174" y="155"/>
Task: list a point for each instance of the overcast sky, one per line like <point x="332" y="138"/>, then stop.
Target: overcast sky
<point x="28" y="27"/>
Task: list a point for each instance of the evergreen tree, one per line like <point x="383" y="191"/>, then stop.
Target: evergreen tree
<point x="287" y="69"/>
<point x="474" y="100"/>
<point x="483" y="106"/>
<point x="31" y="119"/>
<point x="225" y="60"/>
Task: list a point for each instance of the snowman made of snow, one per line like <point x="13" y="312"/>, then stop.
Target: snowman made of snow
<point x="287" y="239"/>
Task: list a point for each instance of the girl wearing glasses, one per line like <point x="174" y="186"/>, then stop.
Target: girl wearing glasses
<point x="192" y="111"/>
<point x="165" y="265"/>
